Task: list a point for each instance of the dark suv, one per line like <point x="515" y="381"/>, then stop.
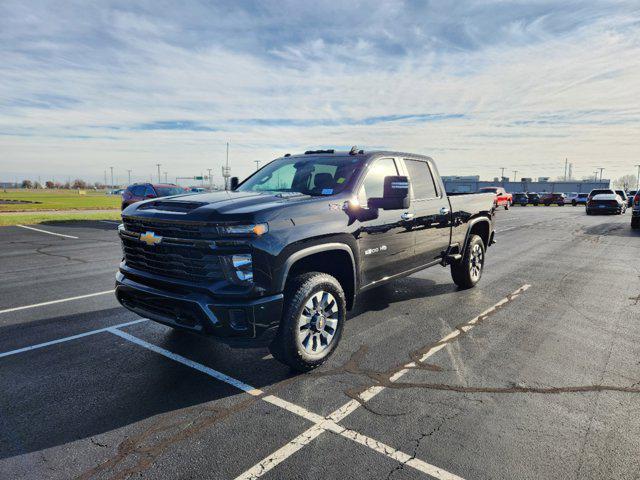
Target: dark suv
<point x="145" y="191"/>
<point x="549" y="198"/>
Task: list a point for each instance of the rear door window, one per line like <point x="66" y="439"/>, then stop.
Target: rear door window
<point x="138" y="190"/>
<point x="421" y="179"/>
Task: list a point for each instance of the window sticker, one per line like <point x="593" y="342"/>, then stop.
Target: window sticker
<point x="340" y="180"/>
<point x="327" y="191"/>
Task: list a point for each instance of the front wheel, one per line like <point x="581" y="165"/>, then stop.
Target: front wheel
<point x="574" y="203"/>
<point x="311" y="325"/>
<point x="506" y="206"/>
<point x="468" y="271"/>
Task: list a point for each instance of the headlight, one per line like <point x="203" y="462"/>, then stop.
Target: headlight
<point x="253" y="229"/>
<point x="240" y="268"/>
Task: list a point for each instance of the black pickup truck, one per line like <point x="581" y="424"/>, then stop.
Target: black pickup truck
<point x="280" y="258"/>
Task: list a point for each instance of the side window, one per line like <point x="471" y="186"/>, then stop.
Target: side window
<point x="149" y="191"/>
<point x="373" y="186"/>
<point x="421" y="180"/>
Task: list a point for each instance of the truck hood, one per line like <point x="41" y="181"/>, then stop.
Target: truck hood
<point x="217" y="206"/>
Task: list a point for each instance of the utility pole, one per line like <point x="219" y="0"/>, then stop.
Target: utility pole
<point x="566" y="164"/>
<point x="111" y="176"/>
<point x="105" y="179"/>
<point x="165" y="178"/>
<point x="226" y="171"/>
<point x="159" y="177"/>
<point x="257" y="164"/>
<point x="210" y="179"/>
<point x="638" y="185"/>
<point x="515" y="175"/>
<point x="129" y="172"/>
<point x="601" y="169"/>
<point x="502" y="174"/>
<point x="595" y="179"/>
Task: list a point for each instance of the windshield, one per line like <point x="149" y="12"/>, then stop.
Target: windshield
<point x="167" y="191"/>
<point x="598" y="192"/>
<point x="489" y="189"/>
<point x="311" y="176"/>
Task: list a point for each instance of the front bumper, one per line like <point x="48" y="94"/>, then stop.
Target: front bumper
<point x="238" y="322"/>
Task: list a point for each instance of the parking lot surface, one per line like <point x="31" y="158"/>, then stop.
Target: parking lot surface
<point x="535" y="373"/>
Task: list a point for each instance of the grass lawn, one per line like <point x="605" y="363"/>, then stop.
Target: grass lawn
<point x="57" y="200"/>
<point x="39" y="217"/>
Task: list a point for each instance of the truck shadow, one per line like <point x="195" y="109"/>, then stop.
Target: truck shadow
<point x="95" y="385"/>
<point x="616" y="229"/>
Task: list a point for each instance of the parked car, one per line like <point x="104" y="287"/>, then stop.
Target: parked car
<point x="521" y="198"/>
<point x="197" y="189"/>
<point x="623" y="196"/>
<point x="145" y="191"/>
<point x="580" y="199"/>
<point x="503" y="198"/>
<point x="606" y="203"/>
<point x="556" y="198"/>
<point x="568" y="197"/>
<point x="599" y="191"/>
<point x="630" y="195"/>
<point x="635" y="213"/>
<point x="534" y="199"/>
<point x="279" y="259"/>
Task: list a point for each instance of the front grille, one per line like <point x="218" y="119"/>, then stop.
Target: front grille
<point x="185" y="262"/>
<point x="188" y="230"/>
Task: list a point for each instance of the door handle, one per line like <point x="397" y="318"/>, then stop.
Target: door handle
<point x="407" y="216"/>
<point x="444" y="211"/>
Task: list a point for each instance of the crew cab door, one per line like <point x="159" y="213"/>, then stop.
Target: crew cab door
<point x="430" y="210"/>
<point x="385" y="243"/>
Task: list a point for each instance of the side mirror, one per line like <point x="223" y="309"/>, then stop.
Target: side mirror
<point x="395" y="195"/>
<point x="233" y="184"/>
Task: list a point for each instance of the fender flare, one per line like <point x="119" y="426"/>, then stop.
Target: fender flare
<point x="308" y="251"/>
<point x="471" y="224"/>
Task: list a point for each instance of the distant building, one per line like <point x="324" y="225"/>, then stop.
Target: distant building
<point x="473" y="184"/>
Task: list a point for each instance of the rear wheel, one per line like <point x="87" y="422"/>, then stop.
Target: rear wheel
<point x="506" y="206"/>
<point x="574" y="203"/>
<point x="312" y="321"/>
<point x="468" y="271"/>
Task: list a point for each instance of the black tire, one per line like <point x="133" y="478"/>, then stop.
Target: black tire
<point x="523" y="204"/>
<point x="461" y="272"/>
<point x="574" y="203"/>
<point x="635" y="223"/>
<point x="286" y="346"/>
<point x="506" y="206"/>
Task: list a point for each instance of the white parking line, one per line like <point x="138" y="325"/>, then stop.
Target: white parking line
<point x="52" y="302"/>
<point x="189" y="363"/>
<point x="307" y="436"/>
<point x="321" y="424"/>
<point x="67" y="339"/>
<point x="46" y="231"/>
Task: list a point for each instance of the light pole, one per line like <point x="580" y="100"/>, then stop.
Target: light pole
<point x="129" y="172"/>
<point x="601" y="169"/>
<point x="111" y="176"/>
<point x="638" y="185"/>
<point x="165" y="178"/>
<point x="159" y="177"/>
<point x="210" y="179"/>
<point x="257" y="164"/>
<point x="502" y="174"/>
<point x="515" y="175"/>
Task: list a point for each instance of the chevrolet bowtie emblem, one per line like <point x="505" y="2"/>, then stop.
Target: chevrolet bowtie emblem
<point x="150" y="238"/>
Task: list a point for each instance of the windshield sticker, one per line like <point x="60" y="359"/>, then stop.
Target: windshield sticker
<point x="340" y="180"/>
<point x="327" y="191"/>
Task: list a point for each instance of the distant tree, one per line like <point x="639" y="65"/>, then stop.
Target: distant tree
<point x="58" y="185"/>
<point x="98" y="185"/>
<point x="78" y="183"/>
<point x="27" y="184"/>
<point x="626" y="182"/>
<point x="49" y="184"/>
<point x="37" y="185"/>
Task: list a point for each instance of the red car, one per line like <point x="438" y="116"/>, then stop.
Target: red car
<point x="144" y="191"/>
<point x="503" y="198"/>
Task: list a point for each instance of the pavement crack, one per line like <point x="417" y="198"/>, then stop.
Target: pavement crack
<point x="98" y="444"/>
<point x="41" y="251"/>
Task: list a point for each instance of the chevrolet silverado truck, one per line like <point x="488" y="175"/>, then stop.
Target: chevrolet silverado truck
<point x="280" y="258"/>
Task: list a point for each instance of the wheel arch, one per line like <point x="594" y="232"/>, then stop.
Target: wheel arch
<point x="482" y="227"/>
<point x="336" y="259"/>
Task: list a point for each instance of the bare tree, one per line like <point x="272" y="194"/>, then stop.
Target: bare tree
<point x="626" y="182"/>
<point x="27" y="184"/>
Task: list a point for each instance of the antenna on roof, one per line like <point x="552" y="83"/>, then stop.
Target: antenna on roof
<point x="354" y="150"/>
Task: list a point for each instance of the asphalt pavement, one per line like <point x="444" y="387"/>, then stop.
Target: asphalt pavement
<point x="535" y="373"/>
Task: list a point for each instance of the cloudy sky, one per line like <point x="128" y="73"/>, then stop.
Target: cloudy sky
<point x="477" y="85"/>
